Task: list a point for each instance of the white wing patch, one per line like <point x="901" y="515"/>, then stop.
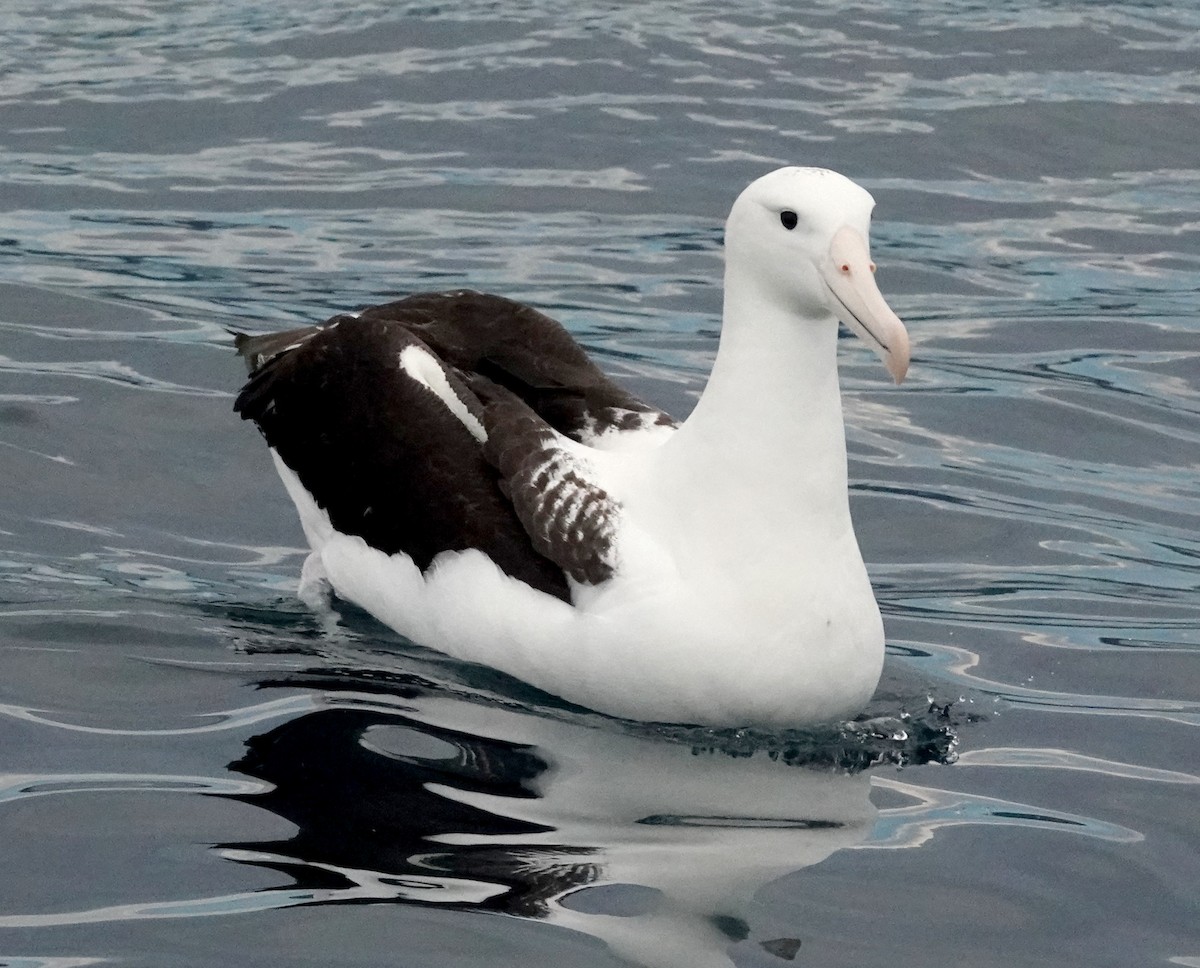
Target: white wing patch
<point x="424" y="367"/>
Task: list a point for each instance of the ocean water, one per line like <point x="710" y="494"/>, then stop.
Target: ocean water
<point x="196" y="770"/>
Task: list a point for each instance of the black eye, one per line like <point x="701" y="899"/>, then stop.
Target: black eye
<point x="789" y="219"/>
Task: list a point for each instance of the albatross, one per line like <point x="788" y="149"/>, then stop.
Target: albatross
<point x="464" y="473"/>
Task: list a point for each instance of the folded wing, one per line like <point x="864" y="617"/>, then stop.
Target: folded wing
<point x="431" y="424"/>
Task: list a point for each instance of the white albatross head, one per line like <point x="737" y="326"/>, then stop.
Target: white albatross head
<point x="801" y="235"/>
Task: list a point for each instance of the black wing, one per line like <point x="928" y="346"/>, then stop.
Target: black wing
<point x="389" y="461"/>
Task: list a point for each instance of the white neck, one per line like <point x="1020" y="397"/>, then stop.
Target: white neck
<point x="769" y="424"/>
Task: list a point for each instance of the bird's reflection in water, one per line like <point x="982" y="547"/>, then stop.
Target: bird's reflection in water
<point x="636" y="836"/>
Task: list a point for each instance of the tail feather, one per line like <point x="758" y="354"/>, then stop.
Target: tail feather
<point x="257" y="350"/>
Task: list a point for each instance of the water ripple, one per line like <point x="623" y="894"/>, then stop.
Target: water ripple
<point x="956" y="664"/>
<point x="1053" y="759"/>
<point x="242" y="902"/>
<point x="22" y="786"/>
<point x="225" y="720"/>
<point x="934" y="810"/>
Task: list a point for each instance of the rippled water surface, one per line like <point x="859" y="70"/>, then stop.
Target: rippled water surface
<point x="195" y="770"/>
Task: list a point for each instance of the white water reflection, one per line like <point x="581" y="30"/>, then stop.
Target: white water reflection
<point x="700" y="832"/>
<point x="653" y="842"/>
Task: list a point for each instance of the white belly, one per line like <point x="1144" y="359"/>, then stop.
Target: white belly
<point x="672" y="656"/>
<point x="779" y="646"/>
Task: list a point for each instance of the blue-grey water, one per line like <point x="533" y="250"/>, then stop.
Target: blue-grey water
<point x="195" y="770"/>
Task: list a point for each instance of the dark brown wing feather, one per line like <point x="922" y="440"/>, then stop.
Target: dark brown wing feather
<point x="383" y="455"/>
<point x="520" y="349"/>
<point x="569" y="519"/>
